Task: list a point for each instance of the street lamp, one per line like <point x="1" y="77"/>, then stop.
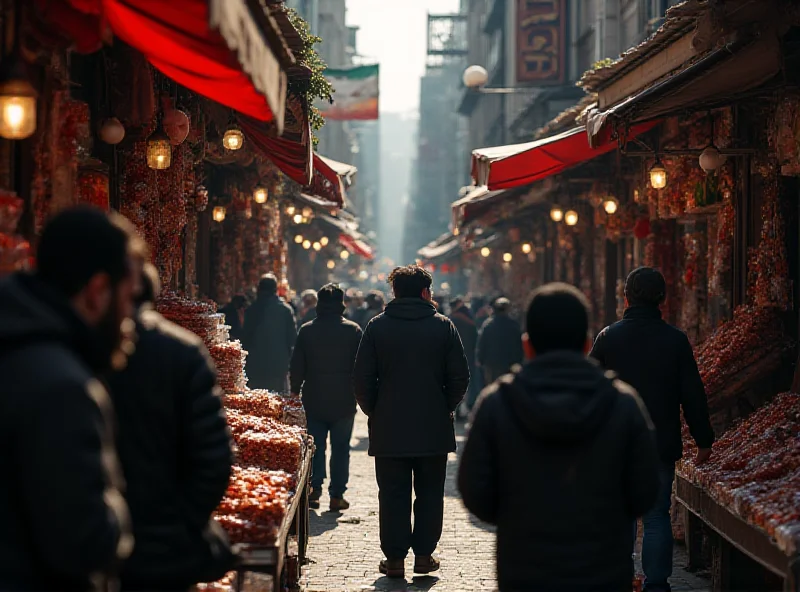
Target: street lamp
<point x="556" y="214"/>
<point x="475" y="77"/>
<point x="658" y="175"/>
<point x="571" y="218"/>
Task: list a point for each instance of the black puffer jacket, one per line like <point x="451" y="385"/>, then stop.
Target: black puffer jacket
<point x="176" y="455"/>
<point x="322" y="364"/>
<point x="64" y="524"/>
<point x="467" y="331"/>
<point x="562" y="459"/>
<point x="499" y="345"/>
<point x="268" y="336"/>
<point x="410" y="375"/>
<point x="657" y="360"/>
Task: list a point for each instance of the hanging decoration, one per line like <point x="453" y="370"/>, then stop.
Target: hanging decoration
<point x="176" y="125"/>
<point x="159" y="148"/>
<point x="112" y="131"/>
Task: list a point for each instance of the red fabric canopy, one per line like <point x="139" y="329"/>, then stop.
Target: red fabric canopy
<point x="356" y="246"/>
<point x="176" y="38"/>
<point x="504" y="167"/>
<point x="326" y="182"/>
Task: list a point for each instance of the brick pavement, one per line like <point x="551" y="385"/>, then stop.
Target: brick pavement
<point x="344" y="550"/>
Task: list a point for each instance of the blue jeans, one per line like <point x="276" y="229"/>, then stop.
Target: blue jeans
<point x="657" y="541"/>
<point x="341" y="432"/>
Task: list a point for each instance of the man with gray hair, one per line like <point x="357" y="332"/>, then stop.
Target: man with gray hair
<point x="308" y="308"/>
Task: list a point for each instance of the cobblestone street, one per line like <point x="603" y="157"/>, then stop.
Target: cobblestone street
<point x="344" y="550"/>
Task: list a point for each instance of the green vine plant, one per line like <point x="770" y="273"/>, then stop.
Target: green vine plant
<point x="318" y="87"/>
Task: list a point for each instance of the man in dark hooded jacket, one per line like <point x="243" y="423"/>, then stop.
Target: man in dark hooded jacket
<point x="322" y="372"/>
<point x="657" y="359"/>
<point x="499" y="342"/>
<point x="175" y="451"/>
<point x="410" y="375"/>
<point x="269" y="335"/>
<point x="562" y="458"/>
<point x="63" y="522"/>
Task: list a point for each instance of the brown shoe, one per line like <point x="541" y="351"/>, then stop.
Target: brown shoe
<point x="313" y="499"/>
<point x="338" y="504"/>
<point x="426" y="564"/>
<point x="393" y="568"/>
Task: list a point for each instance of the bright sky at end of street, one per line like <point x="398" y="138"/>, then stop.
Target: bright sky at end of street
<point x="396" y="36"/>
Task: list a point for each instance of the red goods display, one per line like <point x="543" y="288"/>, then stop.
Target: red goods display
<point x="279" y="449"/>
<point x="259" y="403"/>
<point x="229" y="359"/>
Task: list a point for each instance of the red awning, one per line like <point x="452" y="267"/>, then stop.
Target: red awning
<point x="177" y="38"/>
<point x="504" y="167"/>
<point x="356" y="246"/>
<point x="326" y="182"/>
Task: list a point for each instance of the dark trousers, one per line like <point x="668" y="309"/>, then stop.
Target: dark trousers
<point x="395" y="476"/>
<point x="341" y="431"/>
<point x="657" y="541"/>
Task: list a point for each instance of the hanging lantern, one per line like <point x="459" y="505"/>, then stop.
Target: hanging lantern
<point x="159" y="149"/>
<point x="485" y="252"/>
<point x="526" y="248"/>
<point x="345" y="255"/>
<point x="260" y="195"/>
<point x="233" y="138"/>
<point x="324" y="241"/>
<point x="710" y="159"/>
<point x="298" y="239"/>
<point x="658" y="175"/>
<point x="571" y="218"/>
<point x="176" y="124"/>
<point x="507" y="257"/>
<point x="610" y="205"/>
<point x="306" y="244"/>
<point x="17" y="95"/>
<point x="218" y="213"/>
<point x="112" y="131"/>
<point x="331" y="264"/>
<point x="556" y="214"/>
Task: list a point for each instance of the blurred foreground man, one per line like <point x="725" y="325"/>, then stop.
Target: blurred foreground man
<point x="657" y="360"/>
<point x="269" y="335"/>
<point x="562" y="458"/>
<point x="63" y="522"/>
<point x="410" y="375"/>
<point x="322" y="371"/>
<point x="175" y="452"/>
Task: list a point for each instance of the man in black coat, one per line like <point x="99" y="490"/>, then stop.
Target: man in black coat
<point x="657" y="360"/>
<point x="410" y="376"/>
<point x="234" y="315"/>
<point x="499" y="342"/>
<point x="176" y="454"/>
<point x="462" y="318"/>
<point x="322" y="372"/>
<point x="269" y="336"/>
<point x="65" y="525"/>
<point x="562" y="458"/>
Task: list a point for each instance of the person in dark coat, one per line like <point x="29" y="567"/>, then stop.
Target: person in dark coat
<point x="462" y="318"/>
<point x="65" y="524"/>
<point x="410" y="376"/>
<point x="234" y="315"/>
<point x="322" y="373"/>
<point x="354" y="300"/>
<point x="657" y="360"/>
<point x="171" y="432"/>
<point x="308" y="308"/>
<point x="499" y="342"/>
<point x="562" y="458"/>
<point x="375" y="302"/>
<point x="269" y="336"/>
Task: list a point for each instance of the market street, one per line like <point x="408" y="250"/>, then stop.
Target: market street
<point x="344" y="549"/>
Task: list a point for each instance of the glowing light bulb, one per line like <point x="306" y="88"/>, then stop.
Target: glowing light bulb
<point x="298" y="219"/>
<point x="324" y="241"/>
<point x="298" y="239"/>
<point x="658" y="175"/>
<point x="260" y="195"/>
<point x="507" y="257"/>
<point x="317" y="245"/>
<point x="556" y="214"/>
<point x="306" y="244"/>
<point x="486" y="251"/>
<point x="571" y="218"/>
<point x="526" y="248"/>
<point x="345" y="255"/>
<point x="610" y="205"/>
<point x="331" y="264"/>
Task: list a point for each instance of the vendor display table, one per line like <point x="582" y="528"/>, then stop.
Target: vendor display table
<point x="274" y="560"/>
<point x="734" y="533"/>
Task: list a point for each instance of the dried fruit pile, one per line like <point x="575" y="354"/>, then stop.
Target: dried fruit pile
<point x="755" y="469"/>
<point x="750" y="336"/>
<point x="229" y="358"/>
<point x="279" y="449"/>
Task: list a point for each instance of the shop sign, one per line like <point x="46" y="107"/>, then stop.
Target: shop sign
<point x="541" y="29"/>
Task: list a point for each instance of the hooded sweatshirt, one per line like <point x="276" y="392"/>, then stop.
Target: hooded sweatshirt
<point x="562" y="458"/>
<point x="65" y="524"/>
<point x="409" y="377"/>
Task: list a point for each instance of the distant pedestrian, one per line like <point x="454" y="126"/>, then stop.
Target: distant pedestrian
<point x="410" y="376"/>
<point x="65" y="525"/>
<point x="657" y="360"/>
<point x="375" y="302"/>
<point x="322" y="373"/>
<point x="308" y="308"/>
<point x="171" y="432"/>
<point x="462" y="318"/>
<point x="354" y="300"/>
<point x="499" y="343"/>
<point x="561" y="458"/>
<point x="269" y="336"/>
<point x="234" y="315"/>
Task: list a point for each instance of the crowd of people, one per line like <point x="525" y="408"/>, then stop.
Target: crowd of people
<point x="113" y="429"/>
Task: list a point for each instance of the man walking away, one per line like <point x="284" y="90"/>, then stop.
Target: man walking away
<point x="234" y="315"/>
<point x="308" y="308"/>
<point x="269" y="336"/>
<point x="561" y="458"/>
<point x="65" y="525"/>
<point x="322" y="371"/>
<point x="410" y="376"/>
<point x="657" y="360"/>
<point x="171" y="432"/>
<point x="465" y="324"/>
<point x="499" y="342"/>
<point x="375" y="303"/>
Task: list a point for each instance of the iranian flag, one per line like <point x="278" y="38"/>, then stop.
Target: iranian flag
<point x="355" y="93"/>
